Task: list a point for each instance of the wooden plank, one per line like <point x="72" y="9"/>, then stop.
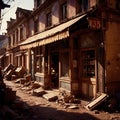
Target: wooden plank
<point x="96" y="102"/>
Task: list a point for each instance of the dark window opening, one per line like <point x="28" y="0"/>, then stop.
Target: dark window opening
<point x="64" y="11"/>
<point x="84" y="5"/>
<point x="36" y="26"/>
<point x="38" y="3"/>
<point x="118" y="4"/>
<point x="21" y="33"/>
<point x="13" y="39"/>
<point x="49" y="19"/>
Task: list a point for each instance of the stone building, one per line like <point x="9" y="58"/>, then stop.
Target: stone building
<point x="3" y="47"/>
<point x="72" y="45"/>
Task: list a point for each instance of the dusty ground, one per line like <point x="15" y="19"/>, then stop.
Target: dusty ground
<point x="37" y="108"/>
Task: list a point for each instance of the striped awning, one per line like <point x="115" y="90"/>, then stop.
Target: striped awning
<point x="49" y="36"/>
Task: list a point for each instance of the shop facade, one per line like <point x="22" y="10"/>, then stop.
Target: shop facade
<point x="70" y="49"/>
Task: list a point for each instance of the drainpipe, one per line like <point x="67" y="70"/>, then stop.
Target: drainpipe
<point x="103" y="54"/>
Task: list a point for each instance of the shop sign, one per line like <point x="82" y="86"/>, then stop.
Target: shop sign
<point x="94" y="23"/>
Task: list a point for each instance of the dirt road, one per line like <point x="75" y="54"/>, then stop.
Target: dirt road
<point x="37" y="108"/>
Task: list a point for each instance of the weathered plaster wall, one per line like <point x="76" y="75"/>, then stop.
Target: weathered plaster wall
<point x="71" y="8"/>
<point x="113" y="54"/>
<point x="55" y="13"/>
<point x="31" y="27"/>
<point x="42" y="21"/>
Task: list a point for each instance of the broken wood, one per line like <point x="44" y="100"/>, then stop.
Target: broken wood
<point x="20" y="71"/>
<point x="93" y="104"/>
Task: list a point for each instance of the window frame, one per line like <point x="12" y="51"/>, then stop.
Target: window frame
<point x="38" y="2"/>
<point x="21" y="33"/>
<point x="39" y="60"/>
<point x="63" y="11"/>
<point x="49" y="19"/>
<point x="88" y="63"/>
<point x="64" y="64"/>
<point x="36" y="25"/>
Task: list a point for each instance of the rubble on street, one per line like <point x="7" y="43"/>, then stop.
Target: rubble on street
<point x="19" y="77"/>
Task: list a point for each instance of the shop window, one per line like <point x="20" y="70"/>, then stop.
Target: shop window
<point x="88" y="62"/>
<point x="39" y="61"/>
<point x="49" y="19"/>
<point x="65" y="64"/>
<point x="63" y="11"/>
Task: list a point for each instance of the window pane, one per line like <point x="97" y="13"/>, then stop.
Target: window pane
<point x="88" y="62"/>
<point x="49" y="19"/>
<point x="40" y="64"/>
<point x="36" y="25"/>
<point x="65" y="64"/>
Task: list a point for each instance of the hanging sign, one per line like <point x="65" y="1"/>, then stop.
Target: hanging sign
<point x="94" y="23"/>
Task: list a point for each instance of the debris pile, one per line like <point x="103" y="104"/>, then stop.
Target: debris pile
<point x="17" y="74"/>
<point x="12" y="72"/>
<point x="68" y="101"/>
<point x="39" y="92"/>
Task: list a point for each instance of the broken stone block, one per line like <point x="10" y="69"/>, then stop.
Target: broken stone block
<point x="73" y="107"/>
<point x="28" y="77"/>
<point x="13" y="77"/>
<point x="35" y="85"/>
<point x="39" y="92"/>
<point x="20" y="80"/>
<point x="20" y="71"/>
<point x="50" y="96"/>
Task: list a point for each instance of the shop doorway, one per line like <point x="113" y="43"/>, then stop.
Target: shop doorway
<point x="88" y="72"/>
<point x="55" y="70"/>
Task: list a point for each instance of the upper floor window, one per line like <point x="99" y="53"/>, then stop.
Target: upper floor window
<point x="9" y="41"/>
<point x="84" y="5"/>
<point x="36" y="25"/>
<point x="38" y="2"/>
<point x="16" y="36"/>
<point x="49" y="19"/>
<point x="21" y="33"/>
<point x="63" y="11"/>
